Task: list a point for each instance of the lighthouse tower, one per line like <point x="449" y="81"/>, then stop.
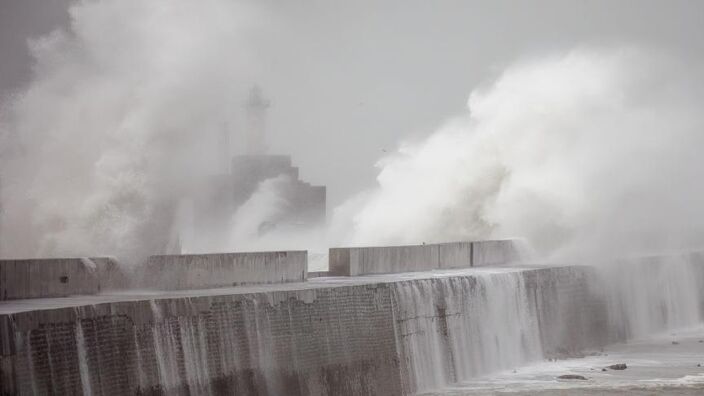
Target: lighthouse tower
<point x="221" y="196"/>
<point x="256" y="107"/>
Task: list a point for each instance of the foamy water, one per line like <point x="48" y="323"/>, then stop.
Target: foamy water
<point x="662" y="362"/>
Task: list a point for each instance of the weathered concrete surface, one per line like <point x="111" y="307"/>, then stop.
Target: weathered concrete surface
<point x="318" y="274"/>
<point x="383" y="260"/>
<point x="198" y="271"/>
<point x="346" y="336"/>
<point x="458" y="328"/>
<point x="455" y="254"/>
<point x="111" y="274"/>
<point x="495" y="252"/>
<point x="395" y="259"/>
<point x="377" y="334"/>
<point x="653" y="294"/>
<point x="35" y="278"/>
<point x="38" y="278"/>
<point x="571" y="307"/>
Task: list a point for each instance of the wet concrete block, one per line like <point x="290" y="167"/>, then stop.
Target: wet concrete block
<point x="395" y="259"/>
<point x="200" y="271"/>
<point x="37" y="278"/>
<point x="496" y="252"/>
<point x="382" y="260"/>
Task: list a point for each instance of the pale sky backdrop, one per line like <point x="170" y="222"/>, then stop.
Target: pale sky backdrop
<point x="349" y="79"/>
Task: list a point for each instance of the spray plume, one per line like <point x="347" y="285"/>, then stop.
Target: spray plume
<point x="116" y="123"/>
<point x="584" y="151"/>
<point x="595" y="150"/>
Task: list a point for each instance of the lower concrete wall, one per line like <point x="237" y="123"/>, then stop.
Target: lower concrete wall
<point x="36" y="278"/>
<point x="395" y="259"/>
<point x="571" y="309"/>
<point x="198" y="271"/>
<point x="343" y="340"/>
<point x="334" y="341"/>
<point x="457" y="328"/>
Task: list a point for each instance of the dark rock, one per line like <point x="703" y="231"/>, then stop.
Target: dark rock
<point x="619" y="366"/>
<point x="699" y="364"/>
<point x="572" y="377"/>
<point x="603" y="369"/>
<point x="675" y="343"/>
<point x="700" y="341"/>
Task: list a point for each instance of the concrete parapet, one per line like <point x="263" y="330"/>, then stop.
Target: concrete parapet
<point x="455" y="254"/>
<point x="318" y="274"/>
<point x="496" y="252"/>
<point x="200" y="271"/>
<point x="394" y="259"/>
<point x="37" y="278"/>
<point x="381" y="260"/>
<point x="111" y="275"/>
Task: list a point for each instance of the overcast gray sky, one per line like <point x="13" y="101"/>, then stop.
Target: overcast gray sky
<point x="348" y="79"/>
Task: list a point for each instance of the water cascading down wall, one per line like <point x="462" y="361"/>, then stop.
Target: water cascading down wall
<point x="379" y="334"/>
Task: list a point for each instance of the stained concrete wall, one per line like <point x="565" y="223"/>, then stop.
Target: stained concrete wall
<point x="335" y="341"/>
<point x="571" y="309"/>
<point x="35" y="278"/>
<point x="455" y="254"/>
<point x="346" y="338"/>
<point x="382" y="260"/>
<point x="394" y="259"/>
<point x="198" y="271"/>
<point x="495" y="252"/>
<point x="318" y="274"/>
<point x="453" y="329"/>
<point x="341" y="340"/>
<point x="111" y="274"/>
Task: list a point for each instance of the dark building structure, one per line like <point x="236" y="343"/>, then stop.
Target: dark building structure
<point x="305" y="202"/>
<point x="303" y="205"/>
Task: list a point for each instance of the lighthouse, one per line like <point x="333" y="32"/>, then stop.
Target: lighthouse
<point x="256" y="107"/>
<point x="302" y="206"/>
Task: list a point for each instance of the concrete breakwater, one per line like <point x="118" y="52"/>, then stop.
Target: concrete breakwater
<point x="394" y="259"/>
<point x="378" y="334"/>
<point x="37" y="278"/>
<point x="351" y="336"/>
<point x="197" y="271"/>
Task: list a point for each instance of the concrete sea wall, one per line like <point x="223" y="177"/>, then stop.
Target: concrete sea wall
<point x="198" y="271"/>
<point x="61" y="277"/>
<point x="458" y="328"/>
<point x="328" y="341"/>
<point x="36" y="278"/>
<point x="649" y="295"/>
<point x="383" y="336"/>
<point x="111" y="274"/>
<point x="395" y="259"/>
<point x="496" y="252"/>
<point x="377" y="334"/>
